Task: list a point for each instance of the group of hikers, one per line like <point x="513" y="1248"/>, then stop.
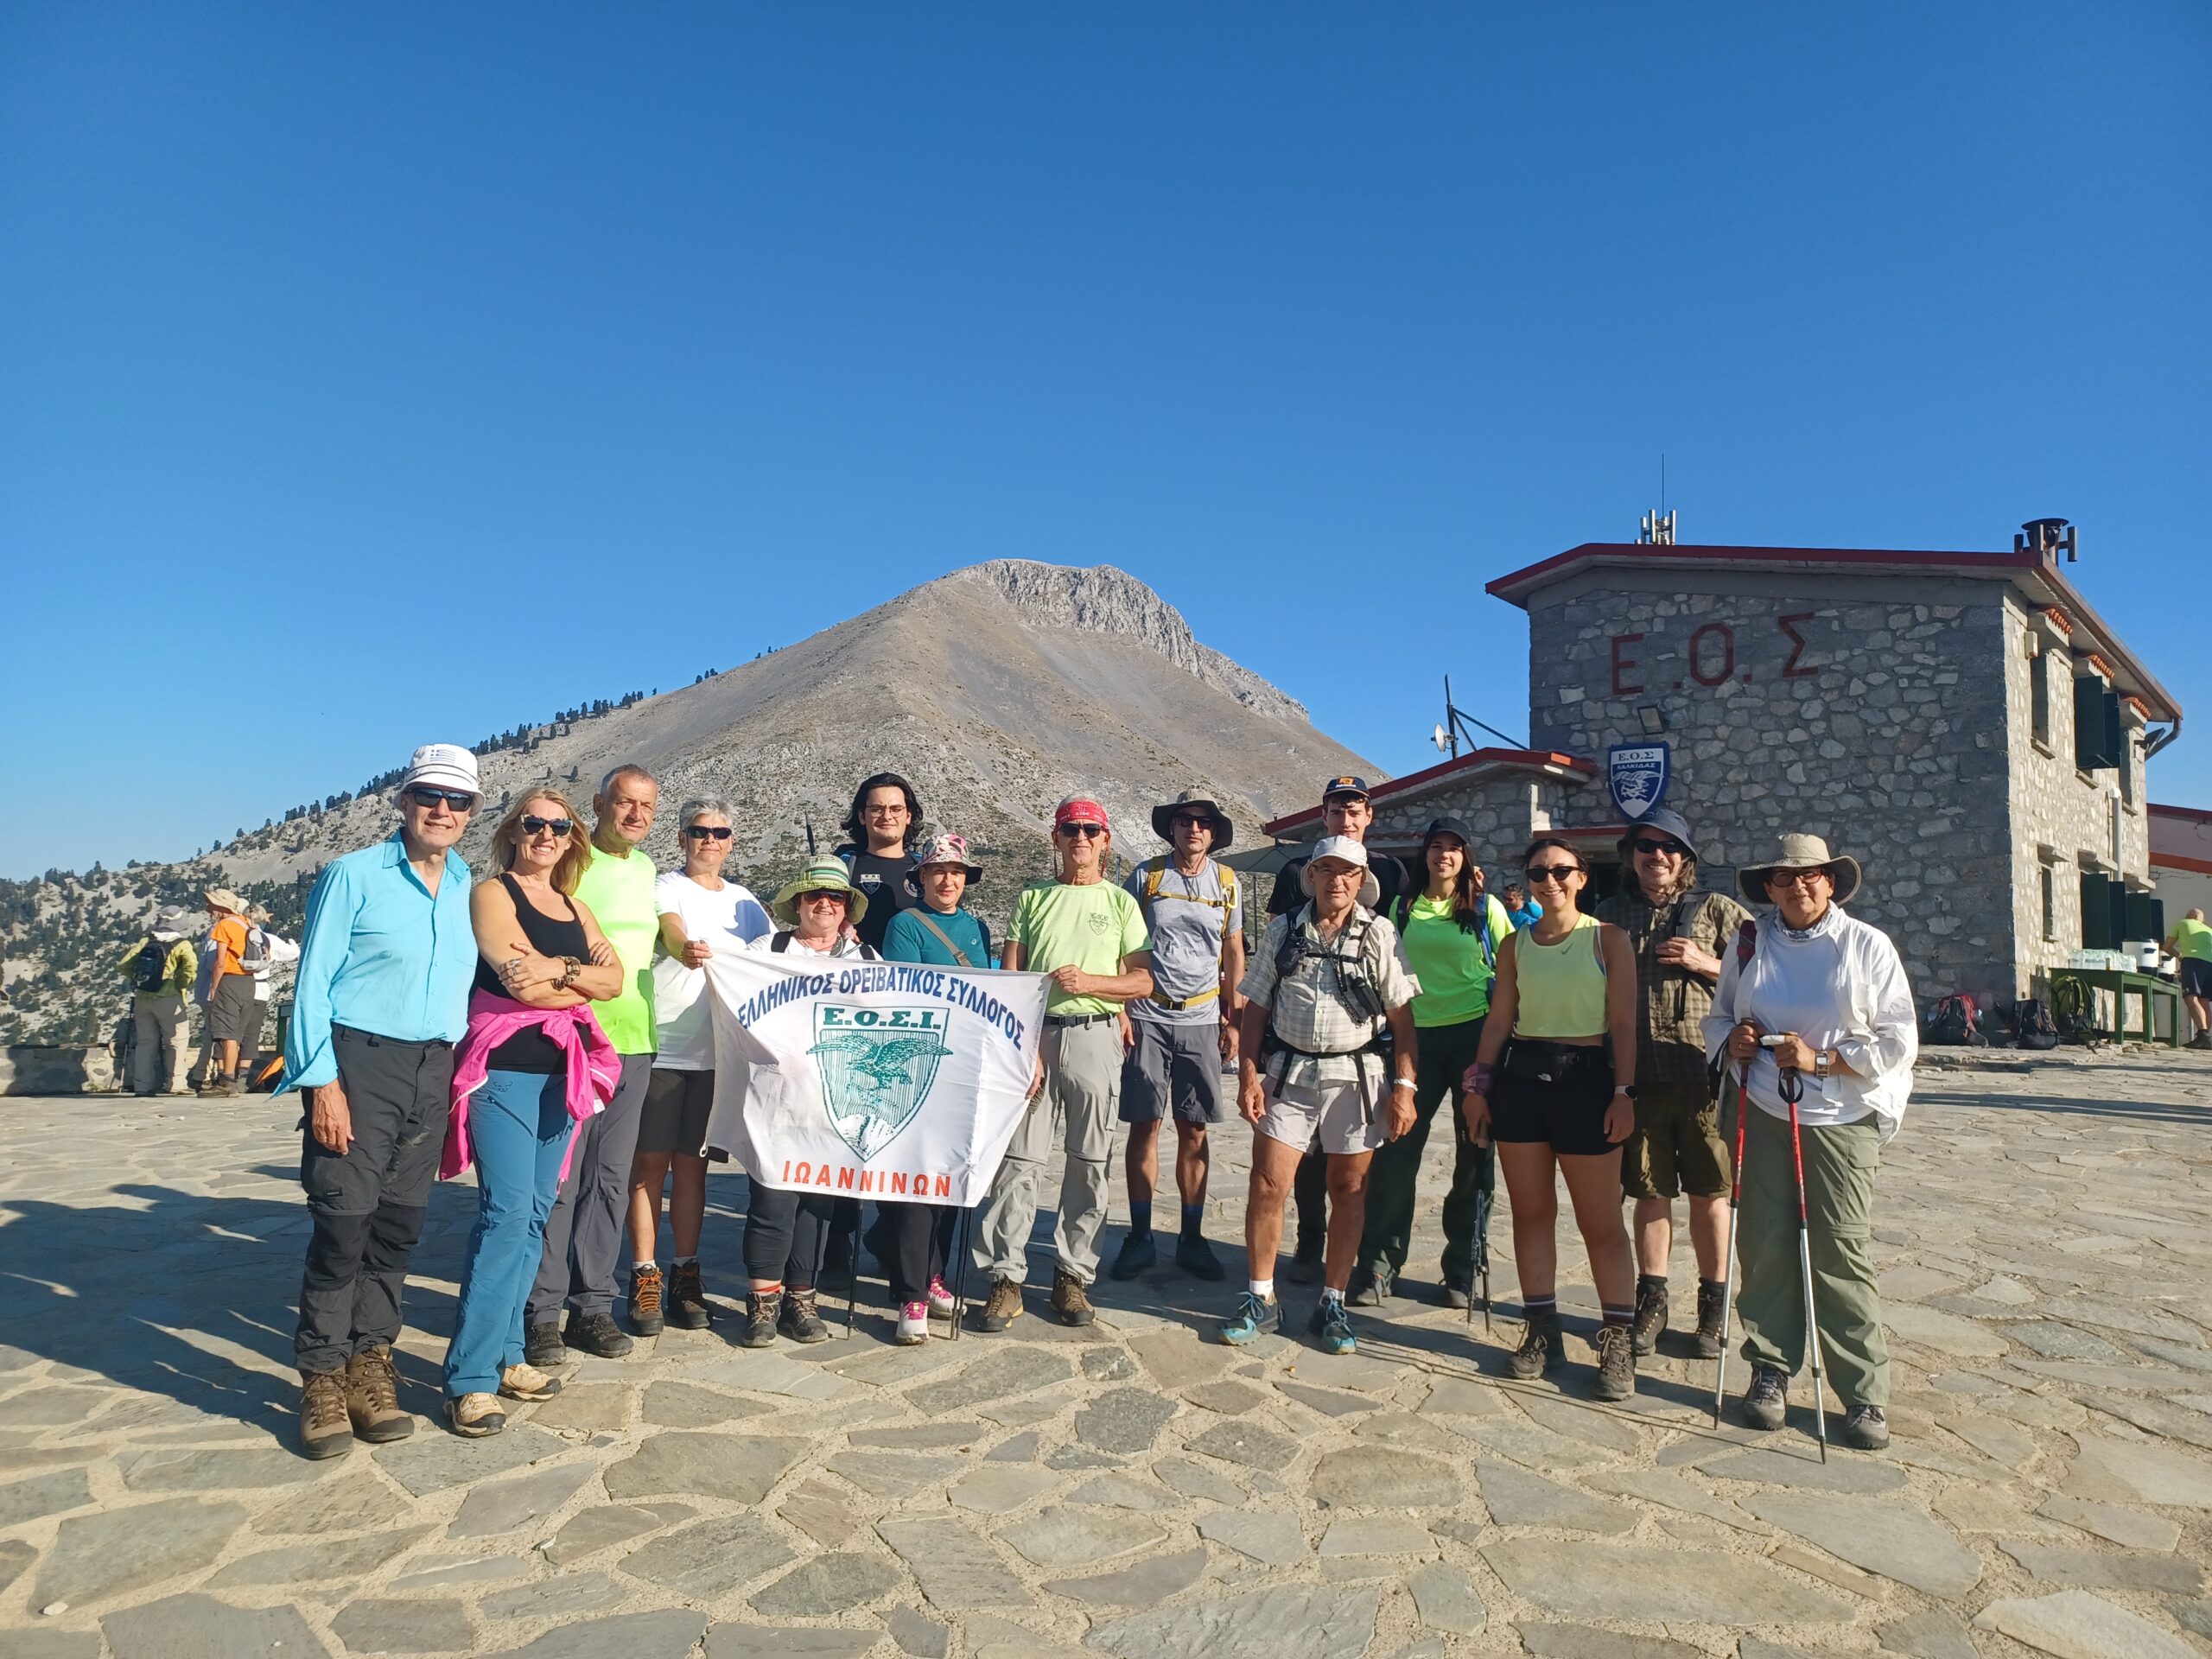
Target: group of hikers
<point x="549" y="1026"/>
<point x="227" y="974"/>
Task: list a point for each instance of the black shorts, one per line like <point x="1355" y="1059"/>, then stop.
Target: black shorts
<point x="674" y="1118"/>
<point x="1567" y="1112"/>
<point x="2195" y="977"/>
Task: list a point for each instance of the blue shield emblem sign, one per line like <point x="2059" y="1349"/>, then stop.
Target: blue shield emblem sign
<point x="877" y="1065"/>
<point x="1636" y="774"/>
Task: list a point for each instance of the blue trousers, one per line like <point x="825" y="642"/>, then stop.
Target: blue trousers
<point x="519" y="1127"/>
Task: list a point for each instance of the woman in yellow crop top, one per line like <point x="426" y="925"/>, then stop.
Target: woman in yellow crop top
<point x="1561" y="1099"/>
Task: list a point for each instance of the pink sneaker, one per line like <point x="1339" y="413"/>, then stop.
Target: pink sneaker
<point x="914" y="1325"/>
<point x="940" y="1299"/>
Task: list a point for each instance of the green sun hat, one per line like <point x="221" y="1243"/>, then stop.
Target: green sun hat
<point x="824" y="873"/>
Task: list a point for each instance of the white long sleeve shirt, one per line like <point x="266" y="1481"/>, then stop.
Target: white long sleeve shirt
<point x="1838" y="984"/>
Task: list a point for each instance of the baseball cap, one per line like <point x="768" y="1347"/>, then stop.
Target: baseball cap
<point x="443" y="765"/>
<point x="1447" y="827"/>
<point x="1344" y="784"/>
<point x="1079" y="808"/>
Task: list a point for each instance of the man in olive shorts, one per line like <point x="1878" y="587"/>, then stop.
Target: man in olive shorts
<point x="1680" y="935"/>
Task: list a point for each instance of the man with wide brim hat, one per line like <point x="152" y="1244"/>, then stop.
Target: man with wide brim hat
<point x="1800" y="853"/>
<point x="824" y="873"/>
<point x="229" y="1002"/>
<point x="1193" y="801"/>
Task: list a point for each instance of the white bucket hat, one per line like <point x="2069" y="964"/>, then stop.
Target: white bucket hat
<point x="1800" y="853"/>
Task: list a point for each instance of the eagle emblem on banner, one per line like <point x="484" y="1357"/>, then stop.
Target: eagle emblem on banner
<point x="877" y="1065"/>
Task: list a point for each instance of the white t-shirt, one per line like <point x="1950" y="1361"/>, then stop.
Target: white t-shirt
<point x="727" y="919"/>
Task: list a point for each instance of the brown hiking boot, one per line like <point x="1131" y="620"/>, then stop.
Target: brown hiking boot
<point x="372" y="1397"/>
<point x="1004" y="1306"/>
<point x="1616" y="1362"/>
<point x="325" y="1429"/>
<point x="1542" y="1345"/>
<point x="1071" y="1300"/>
<point x="644" y="1302"/>
<point x="761" y="1309"/>
<point x="687" y="1307"/>
<point x="1651" y="1322"/>
<point x="1712" y="1327"/>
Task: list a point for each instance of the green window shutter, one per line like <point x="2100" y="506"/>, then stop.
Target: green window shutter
<point x="2144" y="917"/>
<point x="2115" y="739"/>
<point x="2092" y="728"/>
<point x="2104" y="912"/>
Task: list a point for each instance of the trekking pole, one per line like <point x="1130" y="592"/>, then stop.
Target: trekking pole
<point x="1728" y="1247"/>
<point x="1793" y="1091"/>
<point x="960" y="1273"/>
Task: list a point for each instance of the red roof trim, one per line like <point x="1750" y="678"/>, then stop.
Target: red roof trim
<point x="1532" y="760"/>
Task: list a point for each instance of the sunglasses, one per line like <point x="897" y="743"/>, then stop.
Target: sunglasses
<point x="1657" y="847"/>
<point x="537" y="826"/>
<point x="459" y="799"/>
<point x="822" y="896"/>
<point x="1552" y="872"/>
<point x="1186" y="821"/>
<point x="1088" y="831"/>
<point x="706" y="831"/>
<point x="1796" y="878"/>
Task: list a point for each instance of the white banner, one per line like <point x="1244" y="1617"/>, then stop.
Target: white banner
<point x="870" y="1079"/>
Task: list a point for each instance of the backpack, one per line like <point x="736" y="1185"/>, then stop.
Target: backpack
<point x="1155" y="872"/>
<point x="255" y="959"/>
<point x="2074" y="1007"/>
<point x="1356" y="992"/>
<point x="1954" y="1021"/>
<point x="2031" y="1024"/>
<point x="150" y="970"/>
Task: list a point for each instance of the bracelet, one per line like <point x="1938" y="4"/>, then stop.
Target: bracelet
<point x="1479" y="1078"/>
<point x="1403" y="1083"/>
<point x="568" y="974"/>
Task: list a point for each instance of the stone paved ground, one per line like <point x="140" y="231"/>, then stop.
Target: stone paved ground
<point x="1132" y="1489"/>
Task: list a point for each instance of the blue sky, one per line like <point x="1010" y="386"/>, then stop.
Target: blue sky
<point x="358" y="365"/>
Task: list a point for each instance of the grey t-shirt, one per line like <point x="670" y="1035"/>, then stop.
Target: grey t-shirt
<point x="1185" y="918"/>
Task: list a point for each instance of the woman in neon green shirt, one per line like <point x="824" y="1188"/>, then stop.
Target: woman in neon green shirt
<point x="1450" y="931"/>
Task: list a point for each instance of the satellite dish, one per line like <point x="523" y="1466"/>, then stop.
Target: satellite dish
<point x="1441" y="738"/>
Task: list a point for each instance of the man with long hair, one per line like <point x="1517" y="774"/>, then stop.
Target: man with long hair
<point x="881" y="831"/>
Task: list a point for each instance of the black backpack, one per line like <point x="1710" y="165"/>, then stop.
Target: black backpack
<point x="149" y="970"/>
<point x="2031" y="1024"/>
<point x="1953" y="1021"/>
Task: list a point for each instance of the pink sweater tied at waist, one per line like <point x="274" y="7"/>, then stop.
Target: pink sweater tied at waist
<point x="594" y="1069"/>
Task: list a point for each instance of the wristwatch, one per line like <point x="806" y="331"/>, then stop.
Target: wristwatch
<point x="1628" y="1089"/>
<point x="1823" y="1062"/>
<point x="1404" y="1083"/>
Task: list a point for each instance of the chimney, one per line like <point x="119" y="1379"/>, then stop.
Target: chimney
<point x="2047" y="537"/>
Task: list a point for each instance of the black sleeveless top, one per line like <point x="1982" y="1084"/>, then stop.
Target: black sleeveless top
<point x="533" y="1051"/>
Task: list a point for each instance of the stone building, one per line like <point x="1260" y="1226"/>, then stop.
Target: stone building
<point x="1963" y="723"/>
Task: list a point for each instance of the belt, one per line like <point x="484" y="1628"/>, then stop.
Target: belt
<point x="1176" y="1004"/>
<point x="1077" y="1018"/>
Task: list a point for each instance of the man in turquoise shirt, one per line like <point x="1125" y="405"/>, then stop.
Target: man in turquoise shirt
<point x="383" y="997"/>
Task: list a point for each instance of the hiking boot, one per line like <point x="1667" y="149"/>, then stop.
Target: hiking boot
<point x="1331" y="1326"/>
<point x="476" y="1415"/>
<point x="1072" y="1299"/>
<point x="799" y="1321"/>
<point x="644" y="1302"/>
<point x="1616" y="1362"/>
<point x="1866" y="1428"/>
<point x="372" y="1397"/>
<point x="914" y="1325"/>
<point x="1004" y="1306"/>
<point x="1712" y="1327"/>
<point x="2202" y="1040"/>
<point x="761" y="1309"/>
<point x="1651" y="1322"/>
<point x="1767" y="1398"/>
<point x="326" y="1426"/>
<point x="1257" y="1316"/>
<point x="1137" y="1253"/>
<point x="1196" y="1257"/>
<point x="541" y="1345"/>
<point x="596" y="1334"/>
<point x="1305" y="1267"/>
<point x="1542" y="1345"/>
<point x="526" y="1382"/>
<point x="688" y="1308"/>
<point x="1370" y="1287"/>
<point x="941" y="1300"/>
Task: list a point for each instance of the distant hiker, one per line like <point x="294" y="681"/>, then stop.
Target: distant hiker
<point x="1347" y="811"/>
<point x="1326" y="981"/>
<point x="702" y="914"/>
<point x="1089" y="935"/>
<point x="1678" y="935"/>
<point x="266" y="950"/>
<point x="787" y="1231"/>
<point x="159" y="968"/>
<point x="1517" y="905"/>
<point x="1186" y="1031"/>
<point x="1554" y="1085"/>
<point x="534" y="1064"/>
<point x="230" y="1006"/>
<point x="881" y="831"/>
<point x="385" y="964"/>
<point x="2192" y="944"/>
<point x="914" y="1240"/>
<point x="1833" y="988"/>
<point x="583" y="1235"/>
<point x="1451" y="931"/>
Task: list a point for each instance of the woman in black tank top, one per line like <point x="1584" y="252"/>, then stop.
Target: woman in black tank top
<point x="533" y="1051"/>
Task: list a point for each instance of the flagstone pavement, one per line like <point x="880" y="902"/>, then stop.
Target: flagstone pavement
<point x="1132" y="1489"/>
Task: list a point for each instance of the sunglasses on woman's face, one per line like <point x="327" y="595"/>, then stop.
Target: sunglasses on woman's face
<point x="1552" y="872"/>
<point x="1088" y="831"/>
<point x="822" y="896"/>
<point x="706" y="831"/>
<point x="459" y="799"/>
<point x="537" y="826"/>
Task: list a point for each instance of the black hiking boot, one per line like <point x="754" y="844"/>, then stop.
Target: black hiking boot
<point x="541" y="1345"/>
<point x="1712" y="1330"/>
<point x="645" y="1316"/>
<point x="688" y="1308"/>
<point x="1542" y="1346"/>
<point x="761" y="1309"/>
<point x="1651" y="1322"/>
<point x="1767" y="1400"/>
<point x="801" y="1322"/>
<point x="1616" y="1362"/>
<point x="598" y="1335"/>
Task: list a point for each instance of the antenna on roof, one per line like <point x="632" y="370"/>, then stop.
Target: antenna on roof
<point x="1657" y="530"/>
<point x="2049" y="537"/>
<point x="1448" y="736"/>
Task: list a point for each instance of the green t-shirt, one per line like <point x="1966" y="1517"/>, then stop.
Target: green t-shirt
<point x="1454" y="978"/>
<point x="1091" y="927"/>
<point x="2193" y="939"/>
<point x="619" y="894"/>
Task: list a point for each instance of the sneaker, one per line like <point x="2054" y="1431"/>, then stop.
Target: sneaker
<point x="1072" y="1299"/>
<point x="941" y="1299"/>
<point x="1370" y="1287"/>
<point x="2202" y="1040"/>
<point x="476" y="1415"/>
<point x="1616" y="1362"/>
<point x="372" y="1397"/>
<point x="1767" y="1398"/>
<point x="1712" y="1327"/>
<point x="1305" y="1267"/>
<point x="761" y="1309"/>
<point x="1332" y="1326"/>
<point x="914" y="1325"/>
<point x="688" y="1308"/>
<point x="526" y="1382"/>
<point x="1458" y="1287"/>
<point x="1196" y="1257"/>
<point x="799" y="1320"/>
<point x="1542" y="1345"/>
<point x="1651" y="1322"/>
<point x="1257" y="1316"/>
<point x="541" y="1345"/>
<point x="644" y="1302"/>
<point x="326" y="1425"/>
<point x="1866" y="1428"/>
<point x="1137" y="1253"/>
<point x="1004" y="1306"/>
<point x="596" y="1334"/>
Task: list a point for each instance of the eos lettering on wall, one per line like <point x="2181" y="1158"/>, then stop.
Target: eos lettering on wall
<point x="1709" y="656"/>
